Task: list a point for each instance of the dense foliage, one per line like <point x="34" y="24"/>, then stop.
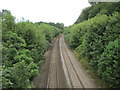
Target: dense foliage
<point x="102" y="8"/>
<point x="58" y="25"/>
<point x="97" y="39"/>
<point x="24" y="45"/>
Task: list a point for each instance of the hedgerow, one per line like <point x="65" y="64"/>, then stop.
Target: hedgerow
<point x="97" y="39"/>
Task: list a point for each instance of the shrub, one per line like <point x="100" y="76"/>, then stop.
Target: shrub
<point x="109" y="64"/>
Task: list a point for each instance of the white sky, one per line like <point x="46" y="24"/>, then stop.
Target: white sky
<point x="63" y="11"/>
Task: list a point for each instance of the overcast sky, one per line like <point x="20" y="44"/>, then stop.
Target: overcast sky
<point x="63" y="11"/>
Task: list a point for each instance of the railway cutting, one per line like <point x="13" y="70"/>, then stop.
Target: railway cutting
<point x="62" y="69"/>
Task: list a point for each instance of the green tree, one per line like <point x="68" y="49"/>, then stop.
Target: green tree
<point x="8" y="22"/>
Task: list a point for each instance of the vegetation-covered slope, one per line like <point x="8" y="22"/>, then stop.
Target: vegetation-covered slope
<point x="96" y="37"/>
<point x="24" y="45"/>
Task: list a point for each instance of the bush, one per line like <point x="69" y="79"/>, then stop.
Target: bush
<point x="109" y="64"/>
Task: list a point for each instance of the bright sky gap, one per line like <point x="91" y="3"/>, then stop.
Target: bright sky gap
<point x="62" y="11"/>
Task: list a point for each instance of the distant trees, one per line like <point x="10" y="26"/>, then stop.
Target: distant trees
<point x="58" y="25"/>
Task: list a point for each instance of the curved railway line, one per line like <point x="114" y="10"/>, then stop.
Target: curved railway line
<point x="62" y="70"/>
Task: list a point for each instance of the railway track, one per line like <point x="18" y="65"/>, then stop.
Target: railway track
<point x="74" y="78"/>
<point x="63" y="69"/>
<point x="56" y="77"/>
